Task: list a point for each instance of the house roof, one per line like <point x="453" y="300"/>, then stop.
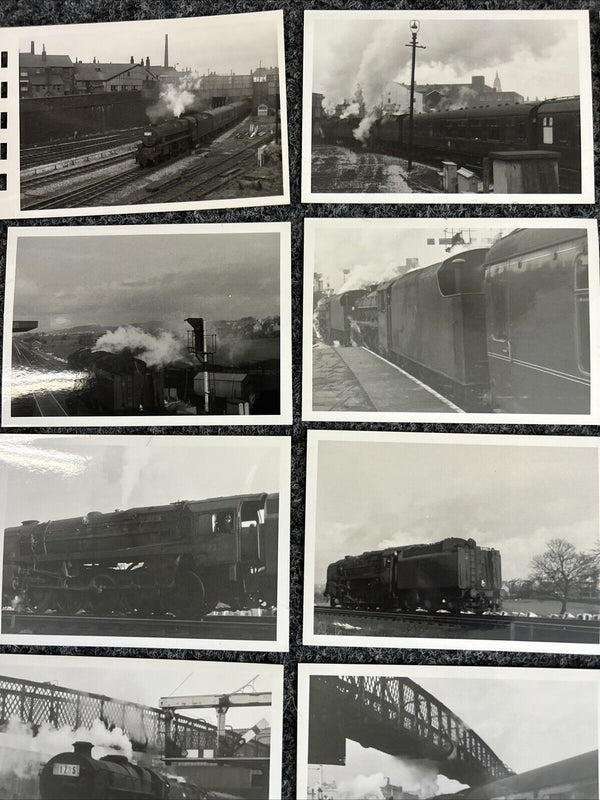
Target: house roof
<point x="37" y="60"/>
<point x="106" y="72"/>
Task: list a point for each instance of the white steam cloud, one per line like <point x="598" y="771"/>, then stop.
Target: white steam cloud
<point x="154" y="350"/>
<point x="23" y="752"/>
<point x="420" y="778"/>
<point x="364" y="275"/>
<point x="366" y="55"/>
<point x="176" y="98"/>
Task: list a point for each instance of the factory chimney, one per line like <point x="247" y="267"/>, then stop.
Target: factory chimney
<point x="32" y="48"/>
<point x="43" y="52"/>
<point x="166" y="64"/>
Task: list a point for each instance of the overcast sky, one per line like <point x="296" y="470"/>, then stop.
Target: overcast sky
<point x="57" y="478"/>
<point x="373" y="495"/>
<point x="527" y="723"/>
<point x="374" y="251"/>
<point x="536" y="58"/>
<point x="63" y="281"/>
<point x="237" y="42"/>
<point x="146" y="682"/>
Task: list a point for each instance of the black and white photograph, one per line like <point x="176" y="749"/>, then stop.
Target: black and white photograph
<point x="375" y="732"/>
<point x="147" y="115"/>
<point x="486" y="542"/>
<point x="447" y="107"/>
<point x="146" y="541"/>
<point x="152" y="324"/>
<point x="77" y="727"/>
<point x="436" y="320"/>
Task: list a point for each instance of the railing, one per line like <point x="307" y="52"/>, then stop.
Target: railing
<point x="36" y="704"/>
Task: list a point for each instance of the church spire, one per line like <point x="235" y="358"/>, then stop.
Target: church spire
<point x="497" y="84"/>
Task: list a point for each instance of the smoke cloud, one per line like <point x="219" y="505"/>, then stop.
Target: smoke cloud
<point x="371" y="53"/>
<point x="154" y="350"/>
<point x="175" y="98"/>
<point x="364" y="275"/>
<point x="420" y="778"/>
<point x="24" y="752"/>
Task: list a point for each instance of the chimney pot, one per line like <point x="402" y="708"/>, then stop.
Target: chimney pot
<point x="131" y="60"/>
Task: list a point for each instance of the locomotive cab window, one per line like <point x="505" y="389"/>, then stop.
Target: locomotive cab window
<point x="548" y="130"/>
<point x="582" y="313"/>
<point x="252" y="514"/>
<point x="223" y="521"/>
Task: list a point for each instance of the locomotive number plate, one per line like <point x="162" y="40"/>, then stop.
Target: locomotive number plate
<point x="72" y="770"/>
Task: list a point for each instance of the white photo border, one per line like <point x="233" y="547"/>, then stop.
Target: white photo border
<point x="281" y="449"/>
<point x="10" y="200"/>
<point x="318" y="225"/>
<point x="285" y="307"/>
<point x="587" y="194"/>
<point x="416" y="673"/>
<point x="309" y="637"/>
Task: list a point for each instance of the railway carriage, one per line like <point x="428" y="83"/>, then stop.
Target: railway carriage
<point x="468" y="135"/>
<point x="183" y="558"/>
<point x="538" y="326"/>
<point x="453" y="574"/>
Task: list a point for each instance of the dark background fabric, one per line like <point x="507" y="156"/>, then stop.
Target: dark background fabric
<point x="53" y="12"/>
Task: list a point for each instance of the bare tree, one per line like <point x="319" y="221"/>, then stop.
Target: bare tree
<point x="560" y="568"/>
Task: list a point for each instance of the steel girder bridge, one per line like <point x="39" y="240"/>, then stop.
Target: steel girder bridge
<point x="149" y="729"/>
<point x="398" y="717"/>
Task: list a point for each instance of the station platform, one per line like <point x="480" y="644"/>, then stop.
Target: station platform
<point x="368" y="382"/>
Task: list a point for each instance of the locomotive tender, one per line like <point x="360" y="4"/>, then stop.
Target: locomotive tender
<point x="453" y="574"/>
<point x="183" y="558"/>
<point x="501" y="329"/>
<point x="469" y="135"/>
<point x="175" y="137"/>
<point x="79" y="776"/>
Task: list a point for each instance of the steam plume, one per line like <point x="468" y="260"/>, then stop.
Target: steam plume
<point x="154" y="350"/>
<point x="175" y="98"/>
<point x="363" y="275"/>
<point x="24" y="752"/>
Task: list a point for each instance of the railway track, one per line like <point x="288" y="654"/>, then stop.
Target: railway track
<point x="56" y="175"/>
<point x="46" y="402"/>
<point x="517" y="628"/>
<point x="83" y="195"/>
<point x="211" y="174"/>
<point x="47" y="154"/>
<point x="218" y="627"/>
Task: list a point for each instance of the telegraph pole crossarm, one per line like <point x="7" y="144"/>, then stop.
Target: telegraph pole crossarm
<point x="414" y="29"/>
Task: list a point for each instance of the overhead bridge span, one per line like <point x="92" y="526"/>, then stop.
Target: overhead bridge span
<point x="398" y="717"/>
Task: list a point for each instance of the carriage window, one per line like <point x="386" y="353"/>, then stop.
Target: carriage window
<point x="222" y="521"/>
<point x="582" y="313"/>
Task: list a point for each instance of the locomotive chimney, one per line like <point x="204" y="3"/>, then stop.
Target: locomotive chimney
<point x="166" y="64"/>
<point x="83" y="749"/>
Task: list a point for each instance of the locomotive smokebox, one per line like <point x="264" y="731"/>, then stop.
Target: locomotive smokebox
<point x="83" y="749"/>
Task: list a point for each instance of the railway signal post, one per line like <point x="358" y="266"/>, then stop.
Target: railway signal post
<point x="414" y="29"/>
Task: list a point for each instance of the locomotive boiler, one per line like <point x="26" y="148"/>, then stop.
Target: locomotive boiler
<point x="80" y="776"/>
<point x="183" y="558"/>
<point x="502" y="329"/>
<point x="468" y="135"/>
<point x="453" y="574"/>
<point x="175" y="137"/>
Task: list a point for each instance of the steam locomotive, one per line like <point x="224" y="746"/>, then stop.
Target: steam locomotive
<point x="119" y="384"/>
<point x="470" y="134"/>
<point x="183" y="558"/>
<point x="504" y="329"/>
<point x="453" y="574"/>
<point x="175" y="137"/>
<point x="79" y="776"/>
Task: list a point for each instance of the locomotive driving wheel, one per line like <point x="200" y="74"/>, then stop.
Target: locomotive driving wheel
<point x="68" y="602"/>
<point x="39" y="599"/>
<point x="187" y="598"/>
<point x="102" y="593"/>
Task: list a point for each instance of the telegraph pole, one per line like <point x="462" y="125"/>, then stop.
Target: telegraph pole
<point x="414" y="29"/>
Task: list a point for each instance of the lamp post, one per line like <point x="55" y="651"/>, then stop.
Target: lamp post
<point x="414" y="29"/>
